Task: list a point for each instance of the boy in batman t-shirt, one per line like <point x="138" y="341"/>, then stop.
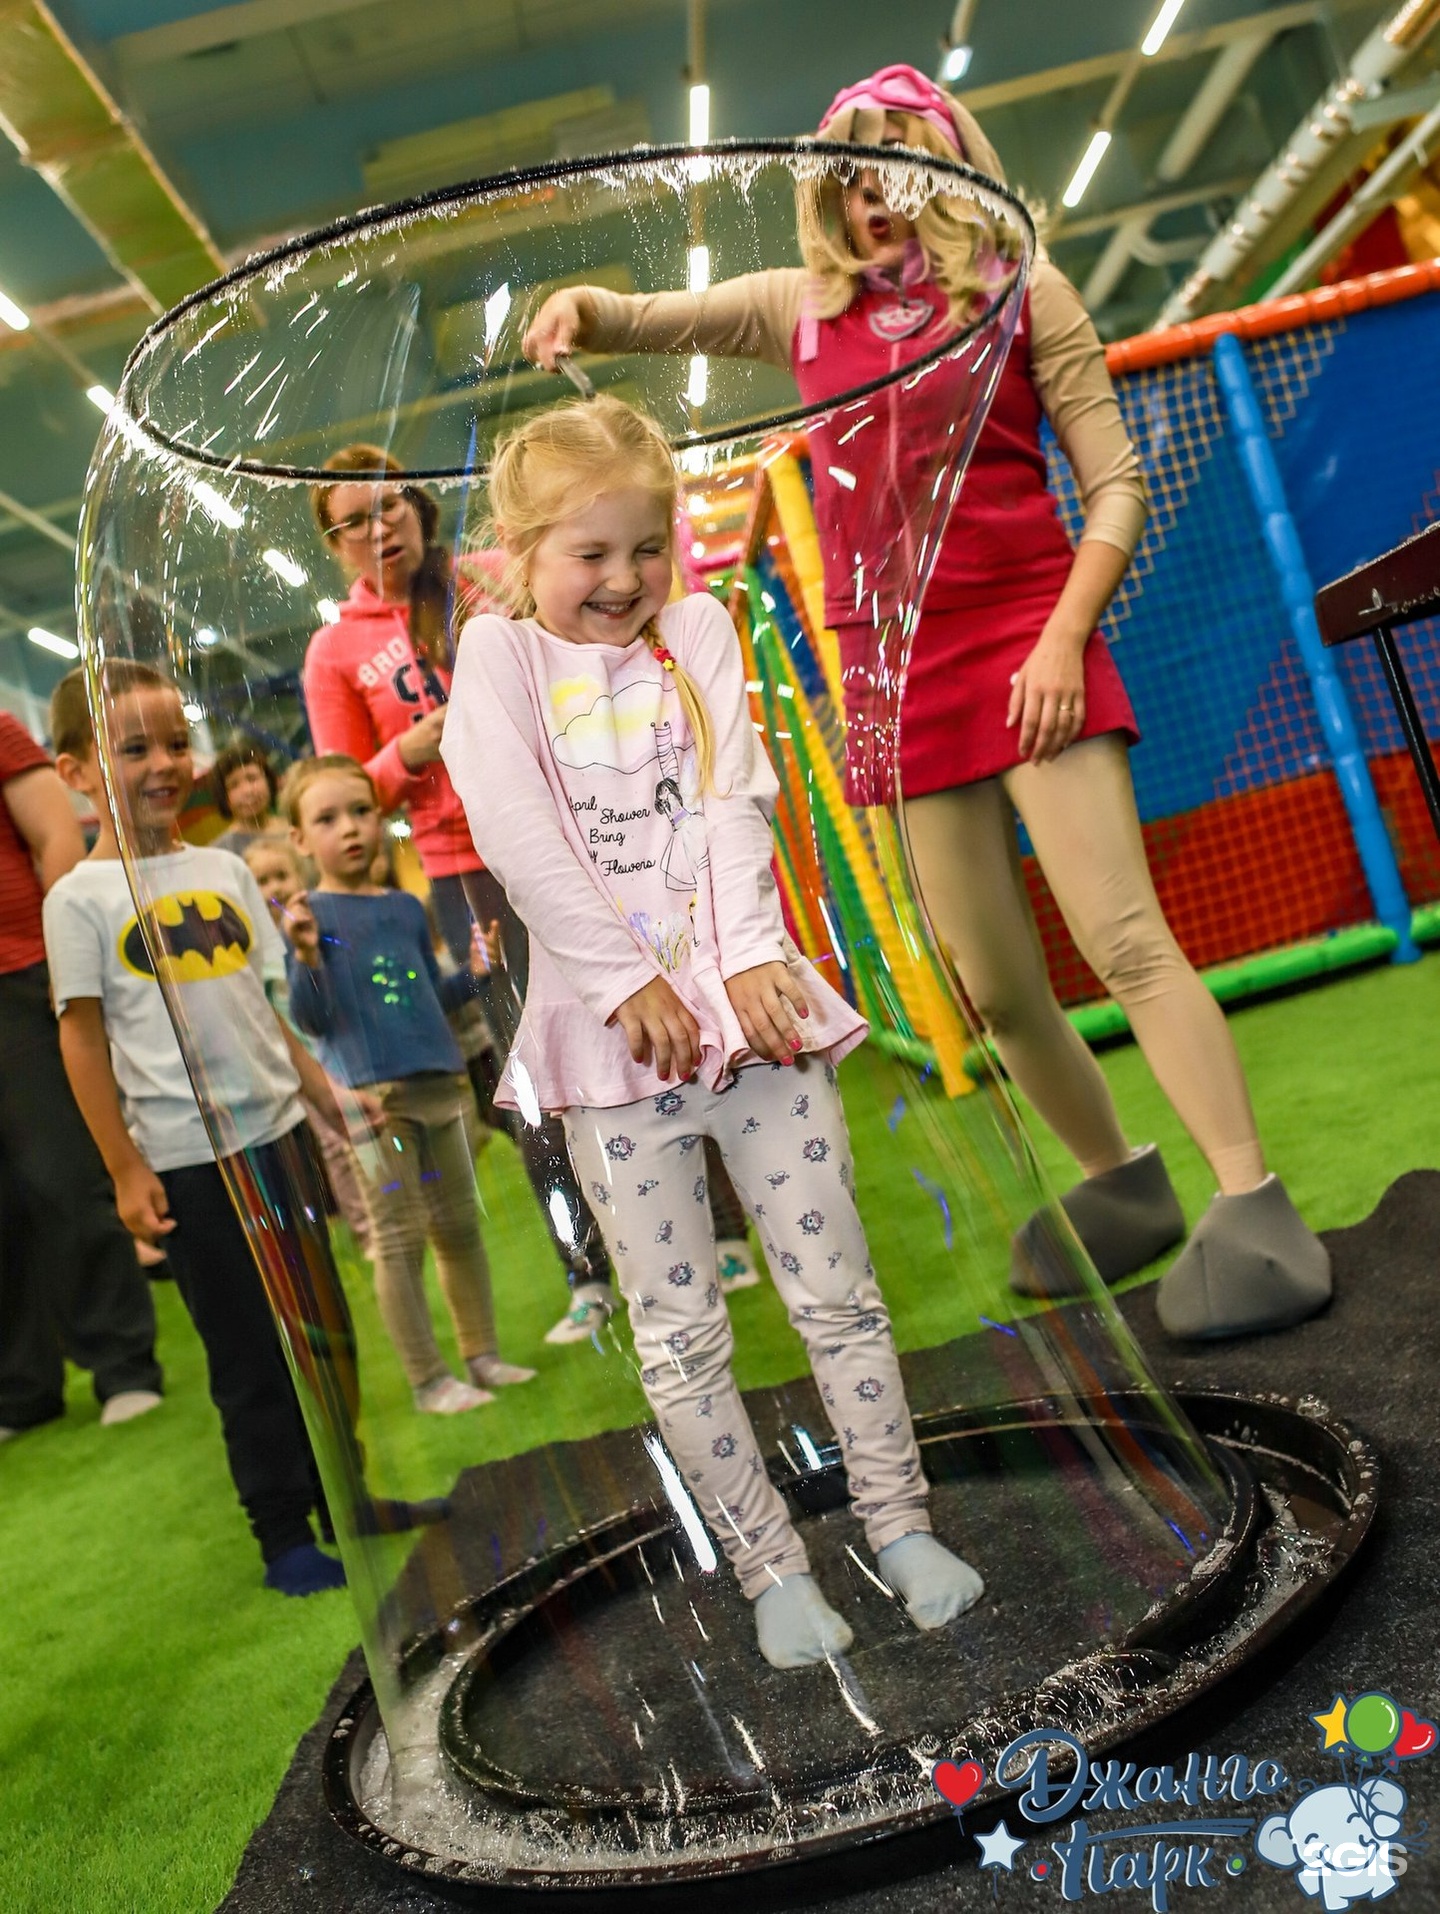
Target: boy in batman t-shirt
<point x="214" y="942"/>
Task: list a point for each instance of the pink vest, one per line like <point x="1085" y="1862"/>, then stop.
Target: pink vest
<point x="1005" y="533"/>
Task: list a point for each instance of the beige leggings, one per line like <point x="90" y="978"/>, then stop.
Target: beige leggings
<point x="1080" y="812"/>
<point x="418" y="1181"/>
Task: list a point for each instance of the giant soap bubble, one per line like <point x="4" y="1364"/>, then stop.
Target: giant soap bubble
<point x="566" y="1684"/>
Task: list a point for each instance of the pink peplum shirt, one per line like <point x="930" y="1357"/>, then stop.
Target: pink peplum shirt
<point x="577" y="771"/>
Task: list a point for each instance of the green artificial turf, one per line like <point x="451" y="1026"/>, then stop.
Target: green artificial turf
<point x="151" y="1692"/>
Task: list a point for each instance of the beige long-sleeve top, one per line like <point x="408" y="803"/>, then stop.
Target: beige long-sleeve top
<point x="755" y="317"/>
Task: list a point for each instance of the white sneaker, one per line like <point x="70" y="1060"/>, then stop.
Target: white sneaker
<point x="488" y="1372"/>
<point x="128" y="1404"/>
<point x="591" y="1306"/>
<point x="732" y="1259"/>
<point x="449" y="1397"/>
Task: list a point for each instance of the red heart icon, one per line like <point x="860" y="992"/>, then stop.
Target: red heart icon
<point x="1415" y="1737"/>
<point x="958" y="1784"/>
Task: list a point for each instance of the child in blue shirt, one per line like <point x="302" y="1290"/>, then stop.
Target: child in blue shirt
<point x="365" y="985"/>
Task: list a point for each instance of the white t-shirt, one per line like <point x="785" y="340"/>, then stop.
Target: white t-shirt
<point x="210" y="918"/>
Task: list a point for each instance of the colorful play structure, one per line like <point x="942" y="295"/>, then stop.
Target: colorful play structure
<point x="1283" y="445"/>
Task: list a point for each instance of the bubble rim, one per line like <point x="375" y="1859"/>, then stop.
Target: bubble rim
<point x="376" y="218"/>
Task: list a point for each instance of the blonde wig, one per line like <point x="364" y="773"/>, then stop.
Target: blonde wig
<point x="969" y="253"/>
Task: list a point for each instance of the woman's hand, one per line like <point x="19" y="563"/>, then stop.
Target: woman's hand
<point x="767" y="1001"/>
<point x="556" y="329"/>
<point x="1047" y="698"/>
<point x="420" y="745"/>
<point x="657" y="1025"/>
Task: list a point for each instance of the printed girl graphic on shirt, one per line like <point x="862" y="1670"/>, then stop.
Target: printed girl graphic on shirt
<point x="688" y="853"/>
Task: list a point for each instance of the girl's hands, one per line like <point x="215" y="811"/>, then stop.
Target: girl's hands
<point x="658" y="1026"/>
<point x="1047" y="698"/>
<point x="555" y="330"/>
<point x="297" y="920"/>
<point x="420" y="745"/>
<point x="767" y="1000"/>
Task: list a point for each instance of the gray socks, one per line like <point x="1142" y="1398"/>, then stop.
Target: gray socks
<point x="1125" y="1218"/>
<point x="934" y="1585"/>
<point x="1252" y="1263"/>
<point x="796" y="1625"/>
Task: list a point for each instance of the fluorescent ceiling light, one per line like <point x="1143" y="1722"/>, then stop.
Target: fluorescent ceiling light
<point x="14" y="317"/>
<point x="328" y="610"/>
<point x="699" y="379"/>
<point x="194" y="712"/>
<point x="52" y="641"/>
<point x="699" y="115"/>
<point x="1085" y="171"/>
<point x="496" y="307"/>
<point x="215" y="506"/>
<point x="1164" y="20"/>
<point x="284" y="566"/>
<point x="100" y="396"/>
<point x="956" y="63"/>
<point x="699" y="268"/>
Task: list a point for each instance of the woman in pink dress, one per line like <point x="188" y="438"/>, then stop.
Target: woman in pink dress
<point x="1012" y="702"/>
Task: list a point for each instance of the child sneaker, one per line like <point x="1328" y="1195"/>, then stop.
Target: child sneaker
<point x="489" y="1372"/>
<point x="591" y="1306"/>
<point x="449" y="1397"/>
<point x="732" y="1259"/>
<point x="128" y="1404"/>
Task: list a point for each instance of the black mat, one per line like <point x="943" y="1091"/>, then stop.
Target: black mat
<point x="1370" y="1359"/>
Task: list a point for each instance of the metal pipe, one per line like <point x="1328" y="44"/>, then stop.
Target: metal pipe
<point x="1409" y="157"/>
<point x="1297" y="591"/>
<point x="1329" y="123"/>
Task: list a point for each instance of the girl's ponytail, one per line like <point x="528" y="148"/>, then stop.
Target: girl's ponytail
<point x="702" y="732"/>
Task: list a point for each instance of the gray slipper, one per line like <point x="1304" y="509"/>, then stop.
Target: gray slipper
<point x="1252" y="1263"/>
<point x="1125" y="1218"/>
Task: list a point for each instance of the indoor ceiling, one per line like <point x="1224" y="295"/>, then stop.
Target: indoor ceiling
<point x="153" y="142"/>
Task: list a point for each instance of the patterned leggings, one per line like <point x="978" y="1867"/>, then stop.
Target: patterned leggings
<point x="781" y="1132"/>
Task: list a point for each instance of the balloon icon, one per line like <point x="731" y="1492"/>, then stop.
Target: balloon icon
<point x="1372" y="1723"/>
<point x="1417" y="1737"/>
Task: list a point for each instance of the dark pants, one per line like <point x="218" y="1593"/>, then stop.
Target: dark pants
<point x="69" y="1281"/>
<point x="265" y="1440"/>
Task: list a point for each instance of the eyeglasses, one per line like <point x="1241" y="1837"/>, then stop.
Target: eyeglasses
<point x="388" y="507"/>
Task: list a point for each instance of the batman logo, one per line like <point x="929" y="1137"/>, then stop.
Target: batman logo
<point x="198" y="935"/>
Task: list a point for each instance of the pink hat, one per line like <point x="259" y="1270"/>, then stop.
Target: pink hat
<point x="900" y="89"/>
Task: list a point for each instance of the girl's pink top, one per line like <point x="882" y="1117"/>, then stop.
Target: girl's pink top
<point x="364" y="688"/>
<point x="577" y="771"/>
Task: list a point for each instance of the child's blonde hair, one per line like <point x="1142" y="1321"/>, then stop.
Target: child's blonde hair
<point x="306" y="771"/>
<point x="969" y="252"/>
<point x="562" y="460"/>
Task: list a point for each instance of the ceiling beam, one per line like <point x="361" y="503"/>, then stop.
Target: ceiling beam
<point x="69" y="129"/>
<point x="1179" y="46"/>
<point x="38" y="523"/>
<point x="1148" y="209"/>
